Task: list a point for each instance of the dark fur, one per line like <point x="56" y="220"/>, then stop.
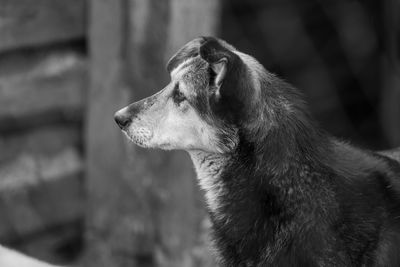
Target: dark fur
<point x="294" y="196"/>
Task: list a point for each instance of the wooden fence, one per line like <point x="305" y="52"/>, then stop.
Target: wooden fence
<point x="43" y="84"/>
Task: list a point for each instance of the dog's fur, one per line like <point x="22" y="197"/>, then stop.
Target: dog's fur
<point x="280" y="191"/>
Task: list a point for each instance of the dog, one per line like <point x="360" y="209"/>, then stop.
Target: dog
<point x="280" y="191"/>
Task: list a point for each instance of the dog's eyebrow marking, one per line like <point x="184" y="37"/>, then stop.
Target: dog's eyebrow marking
<point x="182" y="66"/>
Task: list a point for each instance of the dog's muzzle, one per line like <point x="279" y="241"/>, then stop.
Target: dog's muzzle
<point x="122" y="119"/>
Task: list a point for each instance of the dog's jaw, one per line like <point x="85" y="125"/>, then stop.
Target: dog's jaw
<point x="140" y="136"/>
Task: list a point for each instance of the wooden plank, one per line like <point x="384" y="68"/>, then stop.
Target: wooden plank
<point x="42" y="140"/>
<point x="138" y="198"/>
<point x="104" y="148"/>
<point x="24" y="23"/>
<point x="41" y="185"/>
<point x="43" y="87"/>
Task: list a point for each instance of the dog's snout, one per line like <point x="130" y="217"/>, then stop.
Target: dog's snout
<point x="122" y="120"/>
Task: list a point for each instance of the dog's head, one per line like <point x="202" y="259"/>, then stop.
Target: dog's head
<point x="210" y="98"/>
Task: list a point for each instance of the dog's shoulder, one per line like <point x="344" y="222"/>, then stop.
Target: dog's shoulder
<point x="393" y="154"/>
<point x="351" y="161"/>
<point x="366" y="178"/>
<point x="368" y="196"/>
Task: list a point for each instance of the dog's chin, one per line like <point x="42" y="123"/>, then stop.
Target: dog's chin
<point x="147" y="142"/>
<point x="137" y="140"/>
<point x="167" y="147"/>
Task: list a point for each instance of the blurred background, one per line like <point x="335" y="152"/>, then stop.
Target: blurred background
<point x="74" y="191"/>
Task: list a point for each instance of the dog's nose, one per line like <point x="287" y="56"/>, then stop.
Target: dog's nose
<point x="122" y="121"/>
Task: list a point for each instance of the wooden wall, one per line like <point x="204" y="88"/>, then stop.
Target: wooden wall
<point x="43" y="80"/>
<point x="28" y="24"/>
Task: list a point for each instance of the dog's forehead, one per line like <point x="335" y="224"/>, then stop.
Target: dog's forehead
<point x="192" y="49"/>
<point x="193" y="71"/>
<point x="189" y="67"/>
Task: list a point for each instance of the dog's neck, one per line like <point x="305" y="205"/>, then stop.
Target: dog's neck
<point x="209" y="167"/>
<point x="260" y="185"/>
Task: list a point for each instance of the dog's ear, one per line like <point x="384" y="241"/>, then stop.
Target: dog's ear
<point x="229" y="77"/>
<point x="219" y="68"/>
<point x="222" y="61"/>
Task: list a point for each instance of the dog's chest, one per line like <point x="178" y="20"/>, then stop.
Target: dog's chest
<point x="209" y="168"/>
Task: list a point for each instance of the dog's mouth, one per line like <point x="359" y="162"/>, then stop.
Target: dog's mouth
<point x="140" y="136"/>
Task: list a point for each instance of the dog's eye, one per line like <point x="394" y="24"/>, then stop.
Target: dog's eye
<point x="178" y="96"/>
